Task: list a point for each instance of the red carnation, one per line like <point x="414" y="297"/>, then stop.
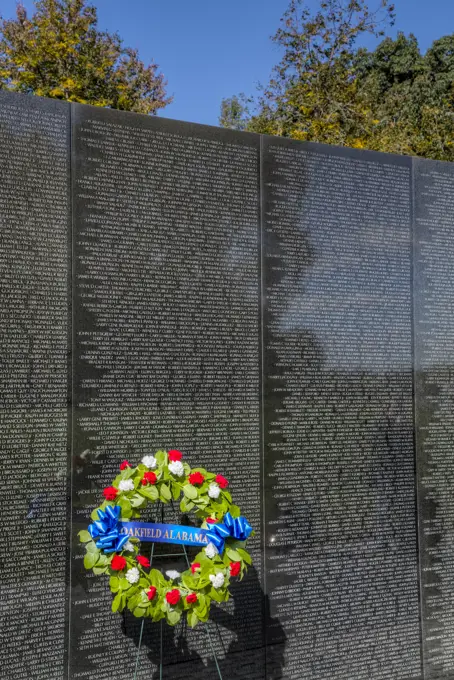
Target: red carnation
<point x="144" y="561"/>
<point x="223" y="483"/>
<point x="173" y="596"/>
<point x="195" y="566"/>
<point x="149" y="478"/>
<point x="175" y="455"/>
<point x="110" y="493"/>
<point x="151" y="593"/>
<point x="210" y="520"/>
<point x="191" y="598"/>
<point x="196" y="478"/>
<point x="124" y="465"/>
<point x="118" y="563"/>
<point x="235" y="568"/>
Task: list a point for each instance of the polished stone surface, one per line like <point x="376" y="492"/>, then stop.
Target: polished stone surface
<point x="167" y="349"/>
<point x="34" y="385"/>
<point x="434" y="381"/>
<point x="339" y="455"/>
<point x="282" y="313"/>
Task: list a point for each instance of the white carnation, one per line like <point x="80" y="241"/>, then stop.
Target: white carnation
<point x="216" y="579"/>
<point x="128" y="547"/>
<point x="176" y="468"/>
<point x="126" y="485"/>
<point x="150" y="462"/>
<point x="214" y="491"/>
<point x="173" y="574"/>
<point x="211" y="550"/>
<point x="133" y="575"/>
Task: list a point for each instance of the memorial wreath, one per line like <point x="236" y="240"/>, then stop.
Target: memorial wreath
<point x="112" y="541"/>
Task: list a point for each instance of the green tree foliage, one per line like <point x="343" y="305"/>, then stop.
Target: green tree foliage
<point x="411" y="96"/>
<point x="59" y="52"/>
<point x="328" y="89"/>
<point x="234" y="113"/>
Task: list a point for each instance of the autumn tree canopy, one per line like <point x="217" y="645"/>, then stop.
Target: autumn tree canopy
<point x="328" y="88"/>
<point x="59" y="52"/>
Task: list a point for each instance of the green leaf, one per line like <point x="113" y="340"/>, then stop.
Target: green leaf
<point x="233" y="554"/>
<point x="161" y="457"/>
<point x="143" y="599"/>
<point x="116" y="602"/>
<point x="138" y="501"/>
<point x="193" y="619"/>
<point x="90" y="560"/>
<point x="157" y="614"/>
<point x="100" y="570"/>
<point x="84" y="536"/>
<point x="165" y="492"/>
<point x="114" y="583"/>
<point x="138" y="612"/>
<point x="176" y="491"/>
<point x="186" y="505"/>
<point x="91" y="548"/>
<point x="188" y="581"/>
<point x="202" y="503"/>
<point x="235" y="511"/>
<point x="204" y="617"/>
<point x="156" y="578"/>
<point x="245" y="556"/>
<point x="216" y="595"/>
<point x="94" y="514"/>
<point x="190" y="491"/>
<point x="126" y="508"/>
<point x="150" y="492"/>
<point x="173" y="616"/>
<point x="132" y="602"/>
<point x="201" y="611"/>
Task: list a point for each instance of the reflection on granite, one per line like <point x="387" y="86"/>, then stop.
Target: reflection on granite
<point x="279" y="311"/>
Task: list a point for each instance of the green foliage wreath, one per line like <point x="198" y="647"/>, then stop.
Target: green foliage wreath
<point x="147" y="592"/>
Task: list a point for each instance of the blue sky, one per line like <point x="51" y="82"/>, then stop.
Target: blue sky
<point x="210" y="49"/>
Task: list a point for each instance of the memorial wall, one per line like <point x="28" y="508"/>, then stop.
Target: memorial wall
<point x="280" y="312"/>
<point x="341" y="547"/>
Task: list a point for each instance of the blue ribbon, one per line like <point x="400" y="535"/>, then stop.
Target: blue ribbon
<point x="238" y="528"/>
<point x="107" y="530"/>
<point x="165" y="533"/>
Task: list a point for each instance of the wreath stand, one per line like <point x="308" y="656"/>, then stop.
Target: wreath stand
<point x="206" y="625"/>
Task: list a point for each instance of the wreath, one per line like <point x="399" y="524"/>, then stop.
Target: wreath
<point x="146" y="592"/>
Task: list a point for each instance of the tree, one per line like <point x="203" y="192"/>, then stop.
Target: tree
<point x="328" y="89"/>
<point x="412" y="96"/>
<point x="234" y="113"/>
<point x="312" y="92"/>
<point x="59" y="52"/>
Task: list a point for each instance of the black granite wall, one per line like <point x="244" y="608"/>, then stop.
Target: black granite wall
<point x="281" y="312"/>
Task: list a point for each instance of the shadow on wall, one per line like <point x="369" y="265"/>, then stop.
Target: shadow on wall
<point x="188" y="653"/>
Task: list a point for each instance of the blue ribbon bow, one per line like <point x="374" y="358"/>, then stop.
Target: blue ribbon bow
<point x="238" y="528"/>
<point x="107" y="529"/>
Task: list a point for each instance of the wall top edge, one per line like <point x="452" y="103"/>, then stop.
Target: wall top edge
<point x="35" y="102"/>
<point x="81" y="112"/>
